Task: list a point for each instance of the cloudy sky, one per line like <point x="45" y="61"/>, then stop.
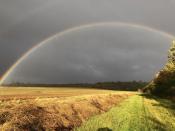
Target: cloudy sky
<point x="98" y="53"/>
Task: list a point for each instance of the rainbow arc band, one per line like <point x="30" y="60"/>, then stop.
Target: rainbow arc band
<point x="82" y="27"/>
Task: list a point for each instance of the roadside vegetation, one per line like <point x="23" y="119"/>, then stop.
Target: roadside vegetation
<point x="138" y="113"/>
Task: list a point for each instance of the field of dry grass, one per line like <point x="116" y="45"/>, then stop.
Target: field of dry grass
<point x="53" y="108"/>
<point x="7" y="93"/>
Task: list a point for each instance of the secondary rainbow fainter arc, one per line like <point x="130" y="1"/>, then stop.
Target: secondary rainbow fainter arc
<point x="82" y="27"/>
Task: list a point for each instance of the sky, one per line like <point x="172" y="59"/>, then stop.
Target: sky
<point x="98" y="53"/>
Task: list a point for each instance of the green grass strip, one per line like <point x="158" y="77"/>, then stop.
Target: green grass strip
<point x="134" y="114"/>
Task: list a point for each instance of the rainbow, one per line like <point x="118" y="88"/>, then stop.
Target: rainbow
<point x="82" y="27"/>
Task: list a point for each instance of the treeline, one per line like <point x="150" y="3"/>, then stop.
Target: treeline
<point x="125" y="86"/>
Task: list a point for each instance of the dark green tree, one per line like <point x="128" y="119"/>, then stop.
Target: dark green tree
<point x="171" y="53"/>
<point x="164" y="82"/>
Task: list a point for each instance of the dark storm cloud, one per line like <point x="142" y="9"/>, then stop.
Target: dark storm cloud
<point x="102" y="53"/>
<point x="23" y="24"/>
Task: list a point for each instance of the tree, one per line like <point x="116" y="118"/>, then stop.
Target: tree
<point x="171" y="53"/>
<point x="170" y="66"/>
<point x="164" y="82"/>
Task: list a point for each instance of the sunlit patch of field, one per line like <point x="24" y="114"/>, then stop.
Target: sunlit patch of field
<point x="53" y="108"/>
<point x="34" y="92"/>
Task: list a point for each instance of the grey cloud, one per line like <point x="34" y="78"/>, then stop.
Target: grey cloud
<point x="24" y="24"/>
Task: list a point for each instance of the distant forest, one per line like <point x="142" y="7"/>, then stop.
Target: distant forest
<point x="125" y="86"/>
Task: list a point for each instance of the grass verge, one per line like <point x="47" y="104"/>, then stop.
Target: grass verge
<point x="139" y="113"/>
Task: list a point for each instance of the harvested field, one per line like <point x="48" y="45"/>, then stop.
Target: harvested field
<point x="9" y="93"/>
<point x="48" y="109"/>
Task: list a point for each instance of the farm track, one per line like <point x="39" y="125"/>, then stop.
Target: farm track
<point x="138" y="113"/>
